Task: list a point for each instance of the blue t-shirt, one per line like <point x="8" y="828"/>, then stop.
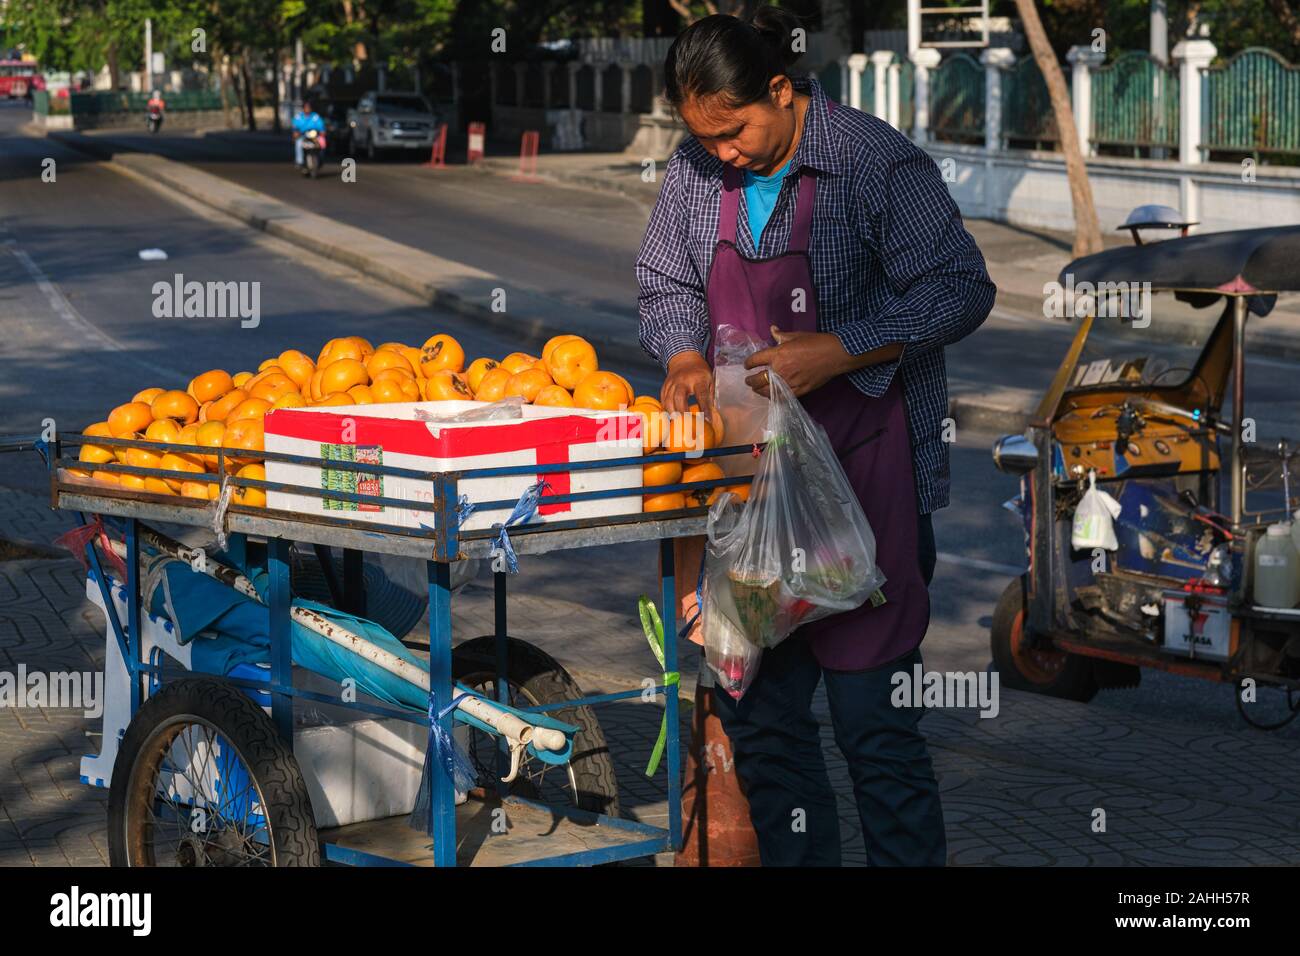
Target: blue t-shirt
<point x="305" y="121"/>
<point x="760" y="199"/>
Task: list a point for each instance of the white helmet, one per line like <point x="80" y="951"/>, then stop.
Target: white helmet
<point x="157" y="94"/>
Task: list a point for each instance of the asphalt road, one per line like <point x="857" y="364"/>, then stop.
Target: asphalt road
<point x="78" y="333"/>
<point x="578" y="246"/>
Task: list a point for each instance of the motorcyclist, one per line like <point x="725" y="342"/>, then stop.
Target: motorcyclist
<point x="306" y="119"/>
<point x="156" y="102"/>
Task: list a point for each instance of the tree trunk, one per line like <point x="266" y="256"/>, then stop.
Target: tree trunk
<point x="237" y="89"/>
<point x="1087" y="230"/>
<point x="114" y="70"/>
<point x="247" y="75"/>
<point x="276" y="76"/>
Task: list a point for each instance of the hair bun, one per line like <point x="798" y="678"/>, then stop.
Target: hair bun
<point x="777" y="27"/>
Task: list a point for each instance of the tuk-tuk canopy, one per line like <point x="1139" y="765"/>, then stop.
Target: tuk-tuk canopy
<point x="1240" y="262"/>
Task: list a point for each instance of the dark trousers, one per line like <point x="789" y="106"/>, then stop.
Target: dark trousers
<point x="777" y="747"/>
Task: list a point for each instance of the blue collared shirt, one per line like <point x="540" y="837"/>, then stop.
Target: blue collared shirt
<point x="891" y="260"/>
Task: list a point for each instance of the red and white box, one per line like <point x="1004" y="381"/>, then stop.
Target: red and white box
<point x="395" y="436"/>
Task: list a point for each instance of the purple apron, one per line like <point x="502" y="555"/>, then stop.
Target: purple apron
<point x="869" y="435"/>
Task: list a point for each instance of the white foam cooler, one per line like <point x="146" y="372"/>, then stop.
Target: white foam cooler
<point x="393" y="435"/>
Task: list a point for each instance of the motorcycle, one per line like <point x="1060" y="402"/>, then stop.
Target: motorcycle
<point x="154" y="120"/>
<point x="313" y="147"/>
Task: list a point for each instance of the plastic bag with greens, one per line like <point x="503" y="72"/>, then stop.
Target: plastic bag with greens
<point x="800" y="548"/>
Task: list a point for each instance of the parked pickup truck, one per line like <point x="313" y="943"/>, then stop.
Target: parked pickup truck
<point x="384" y="121"/>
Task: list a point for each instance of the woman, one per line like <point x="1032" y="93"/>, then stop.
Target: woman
<point x="829" y="233"/>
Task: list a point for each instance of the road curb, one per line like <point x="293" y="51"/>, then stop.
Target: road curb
<point x="603" y="184"/>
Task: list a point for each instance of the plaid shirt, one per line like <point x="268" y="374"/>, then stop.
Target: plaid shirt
<point x="891" y="260"/>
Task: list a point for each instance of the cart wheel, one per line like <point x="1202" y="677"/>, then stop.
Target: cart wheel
<point x="536" y="678"/>
<point x="1021" y="667"/>
<point x="202" y="778"/>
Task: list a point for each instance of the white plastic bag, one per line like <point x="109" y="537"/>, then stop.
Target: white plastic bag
<point x="743" y="410"/>
<point x="1094" y="519"/>
<point x="800" y="548"/>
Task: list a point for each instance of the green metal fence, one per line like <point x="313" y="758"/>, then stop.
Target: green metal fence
<point x="906" y="96"/>
<point x="1026" y="108"/>
<point x="957" y="99"/>
<point x="1135" y="103"/>
<point x="829" y="78"/>
<point x="100" y="103"/>
<point x="1251" y="104"/>
<point x="867" y="85"/>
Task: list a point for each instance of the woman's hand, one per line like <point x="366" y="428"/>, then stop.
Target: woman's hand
<point x="808" y="360"/>
<point x="805" y="361"/>
<point x="688" y="374"/>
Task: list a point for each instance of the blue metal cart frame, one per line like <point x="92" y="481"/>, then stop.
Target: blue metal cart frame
<point x="439" y="546"/>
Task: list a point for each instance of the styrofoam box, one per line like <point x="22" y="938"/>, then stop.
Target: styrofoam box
<point x="393" y="435"/>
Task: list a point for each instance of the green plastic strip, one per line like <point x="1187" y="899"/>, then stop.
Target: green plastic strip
<point x="653" y="626"/>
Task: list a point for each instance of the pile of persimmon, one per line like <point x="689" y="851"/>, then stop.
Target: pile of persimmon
<point x="689" y="433"/>
<point x="567" y="375"/>
<point x="220" y="410"/>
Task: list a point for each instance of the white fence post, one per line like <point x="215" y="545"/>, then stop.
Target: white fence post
<point x="881" y="60"/>
<point x="857" y="66"/>
<point x="894" y="110"/>
<point x="923" y="61"/>
<point x="995" y="60"/>
<point x="1083" y="60"/>
<point x="1192" y="56"/>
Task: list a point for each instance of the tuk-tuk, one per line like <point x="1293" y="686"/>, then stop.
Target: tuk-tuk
<point x="1176" y="592"/>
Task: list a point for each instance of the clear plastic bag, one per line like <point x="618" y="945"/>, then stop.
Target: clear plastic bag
<point x="507" y="409"/>
<point x="800" y="548"/>
<point x="743" y="411"/>
<point x="732" y="657"/>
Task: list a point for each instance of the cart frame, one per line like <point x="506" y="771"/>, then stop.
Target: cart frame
<point x="439" y="546"/>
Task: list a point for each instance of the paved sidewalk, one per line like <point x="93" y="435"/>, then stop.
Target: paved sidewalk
<point x="1020" y="789"/>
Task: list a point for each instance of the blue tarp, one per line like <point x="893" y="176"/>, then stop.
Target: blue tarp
<point x="202" y="606"/>
<point x="243" y="627"/>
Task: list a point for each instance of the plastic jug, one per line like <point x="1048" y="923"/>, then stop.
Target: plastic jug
<point x="1277" y="575"/>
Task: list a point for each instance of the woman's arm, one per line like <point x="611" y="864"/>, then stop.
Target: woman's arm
<point x="674" y="315"/>
<point x="940" y="289"/>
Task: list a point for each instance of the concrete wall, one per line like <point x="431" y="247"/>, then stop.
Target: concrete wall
<point x="179" y="119"/>
<point x="602" y="132"/>
<point x="1027" y="188"/>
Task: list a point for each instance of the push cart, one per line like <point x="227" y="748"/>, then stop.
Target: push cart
<point x="225" y="761"/>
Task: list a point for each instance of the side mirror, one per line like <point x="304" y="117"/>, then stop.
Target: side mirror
<point x="1014" y="455"/>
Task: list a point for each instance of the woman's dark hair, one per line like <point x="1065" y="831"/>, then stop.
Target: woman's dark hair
<point x="733" y="58"/>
